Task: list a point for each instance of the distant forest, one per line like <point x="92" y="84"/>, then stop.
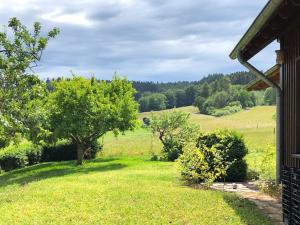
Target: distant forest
<point x="215" y="94"/>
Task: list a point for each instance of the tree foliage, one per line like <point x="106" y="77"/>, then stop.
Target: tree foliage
<point x="174" y="131"/>
<point x="20" y="51"/>
<point x="270" y="96"/>
<point x="83" y="110"/>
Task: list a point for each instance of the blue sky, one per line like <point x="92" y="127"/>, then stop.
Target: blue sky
<point x="154" y="40"/>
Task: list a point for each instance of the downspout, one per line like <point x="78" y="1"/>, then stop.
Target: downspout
<point x="279" y="114"/>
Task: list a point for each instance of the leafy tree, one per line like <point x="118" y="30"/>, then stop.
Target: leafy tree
<point x="83" y="110"/>
<point x="180" y="98"/>
<point x="20" y="51"/>
<point x="171" y="99"/>
<point x="199" y="103"/>
<point x="174" y="131"/>
<point x="242" y="78"/>
<point x="168" y="124"/>
<point x="157" y="101"/>
<point x="144" y="104"/>
<point x="270" y="96"/>
<point x="190" y="95"/>
<point x="205" y="90"/>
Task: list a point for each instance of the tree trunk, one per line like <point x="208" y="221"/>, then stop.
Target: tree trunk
<point x="79" y="153"/>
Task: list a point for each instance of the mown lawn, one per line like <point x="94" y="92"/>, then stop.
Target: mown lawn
<point x="115" y="191"/>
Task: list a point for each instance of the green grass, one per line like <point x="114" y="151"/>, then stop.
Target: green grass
<point x="257" y="126"/>
<point x="115" y="191"/>
<point x="123" y="187"/>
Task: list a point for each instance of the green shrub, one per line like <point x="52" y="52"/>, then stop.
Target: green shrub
<point x="18" y="156"/>
<point x="65" y="151"/>
<point x="172" y="148"/>
<point x="227" y="110"/>
<point x="233" y="150"/>
<point x="26" y="154"/>
<point x="268" y="163"/>
<point x="252" y="175"/>
<point x="146" y="121"/>
<point x="201" y="164"/>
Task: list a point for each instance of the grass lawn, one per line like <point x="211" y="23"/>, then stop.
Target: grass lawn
<point x="119" y="190"/>
<point x="122" y="186"/>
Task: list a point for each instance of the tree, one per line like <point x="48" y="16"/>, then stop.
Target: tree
<point x="83" y="110"/>
<point x="205" y="90"/>
<point x="190" y="93"/>
<point x="144" y="104"/>
<point x="20" y="50"/>
<point x="174" y="131"/>
<point x="199" y="102"/>
<point x="157" y="101"/>
<point x="171" y="99"/>
<point x="270" y="96"/>
<point x="180" y="98"/>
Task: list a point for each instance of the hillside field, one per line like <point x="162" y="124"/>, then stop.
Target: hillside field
<point x="256" y="124"/>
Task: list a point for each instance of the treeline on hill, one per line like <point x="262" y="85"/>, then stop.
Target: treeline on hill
<point x="216" y="94"/>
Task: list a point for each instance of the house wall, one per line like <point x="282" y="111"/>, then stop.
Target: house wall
<point x="290" y="43"/>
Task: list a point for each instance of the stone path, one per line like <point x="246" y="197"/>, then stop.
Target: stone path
<point x="270" y="206"/>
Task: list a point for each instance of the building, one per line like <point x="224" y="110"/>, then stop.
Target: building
<point x="280" y="20"/>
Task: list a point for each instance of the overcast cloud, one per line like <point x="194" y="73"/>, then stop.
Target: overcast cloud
<point x="158" y="40"/>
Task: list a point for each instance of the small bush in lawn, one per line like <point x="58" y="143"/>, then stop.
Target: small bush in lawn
<point x="146" y="121"/>
<point x="233" y="150"/>
<point x="201" y="164"/>
<point x="154" y="157"/>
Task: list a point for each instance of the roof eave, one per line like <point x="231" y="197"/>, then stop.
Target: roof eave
<point x="256" y="26"/>
<point x="268" y="73"/>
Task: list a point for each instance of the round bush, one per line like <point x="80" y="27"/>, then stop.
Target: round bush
<point x="233" y="150"/>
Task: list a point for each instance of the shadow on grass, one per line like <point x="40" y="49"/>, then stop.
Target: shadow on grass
<point x="57" y="169"/>
<point x="246" y="210"/>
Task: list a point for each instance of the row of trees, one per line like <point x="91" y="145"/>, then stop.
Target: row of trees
<point x="79" y="110"/>
<point x="211" y="95"/>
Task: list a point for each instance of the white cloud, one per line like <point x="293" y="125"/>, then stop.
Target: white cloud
<point x="144" y="39"/>
<point x="58" y="16"/>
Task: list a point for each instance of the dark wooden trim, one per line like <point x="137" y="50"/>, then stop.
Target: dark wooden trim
<point x="296" y="155"/>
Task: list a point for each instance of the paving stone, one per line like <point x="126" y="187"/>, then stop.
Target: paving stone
<point x="272" y="210"/>
<point x="270" y="206"/>
<point x="275" y="217"/>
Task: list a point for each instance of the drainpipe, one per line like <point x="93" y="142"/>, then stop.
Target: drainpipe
<point x="279" y="114"/>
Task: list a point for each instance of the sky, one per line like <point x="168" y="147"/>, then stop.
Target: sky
<point x="146" y="40"/>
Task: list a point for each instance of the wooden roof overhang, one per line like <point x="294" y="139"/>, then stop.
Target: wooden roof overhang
<point x="275" y="18"/>
<point x="272" y="74"/>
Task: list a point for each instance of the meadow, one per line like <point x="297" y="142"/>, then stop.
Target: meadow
<point x="257" y="125"/>
<point x="122" y="185"/>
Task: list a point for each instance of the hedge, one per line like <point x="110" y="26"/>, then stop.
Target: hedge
<point x="26" y="154"/>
